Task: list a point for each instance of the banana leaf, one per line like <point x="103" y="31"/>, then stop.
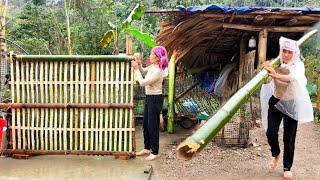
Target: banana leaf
<point x="145" y="37"/>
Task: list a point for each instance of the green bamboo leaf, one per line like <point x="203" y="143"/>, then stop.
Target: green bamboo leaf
<point x="135" y="14"/>
<point x="107" y="38"/>
<point x="145" y="37"/>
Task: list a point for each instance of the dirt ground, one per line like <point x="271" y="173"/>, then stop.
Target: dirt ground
<point x="212" y="163"/>
<point x="244" y="163"/>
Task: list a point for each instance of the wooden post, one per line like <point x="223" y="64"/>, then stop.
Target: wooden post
<point x="129" y="49"/>
<point x="262" y="47"/>
<point x="242" y="61"/>
<point x="3" y="46"/>
<point x="318" y="93"/>
<point x="171" y="93"/>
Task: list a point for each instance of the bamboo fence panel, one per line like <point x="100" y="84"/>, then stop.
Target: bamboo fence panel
<point x="72" y="105"/>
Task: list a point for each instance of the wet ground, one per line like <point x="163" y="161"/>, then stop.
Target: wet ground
<point x="81" y="167"/>
<point x="212" y="163"/>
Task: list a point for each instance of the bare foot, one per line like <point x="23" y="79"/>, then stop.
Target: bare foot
<point x="287" y="175"/>
<point x="151" y="157"/>
<point x="143" y="152"/>
<point x="274" y="162"/>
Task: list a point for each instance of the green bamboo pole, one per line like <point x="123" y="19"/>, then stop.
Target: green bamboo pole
<point x="196" y="142"/>
<point x="171" y="93"/>
<point x="114" y="58"/>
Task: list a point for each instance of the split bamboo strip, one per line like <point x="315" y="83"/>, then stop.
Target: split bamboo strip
<point x="55" y="110"/>
<point x="81" y="101"/>
<point x="72" y="118"/>
<point x="107" y="122"/>
<point x="87" y="96"/>
<point x="61" y="100"/>
<point x="131" y="124"/>
<point x="23" y="96"/>
<point x="42" y="95"/>
<point x="33" y="133"/>
<point x="37" y="67"/>
<point x="127" y="69"/>
<point x="76" y="125"/>
<point x="112" y="98"/>
<point x="46" y="93"/>
<point x="92" y="100"/>
<point x="27" y="80"/>
<point x="117" y="114"/>
<point x="51" y="100"/>
<point x="99" y="112"/>
<point x="65" y="74"/>
<point x="18" y="100"/>
<point x="104" y="75"/>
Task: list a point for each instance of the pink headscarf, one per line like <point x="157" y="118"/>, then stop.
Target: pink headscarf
<point x="161" y="53"/>
<point x="290" y="45"/>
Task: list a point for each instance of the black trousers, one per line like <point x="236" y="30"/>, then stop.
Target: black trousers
<point x="151" y="121"/>
<point x="289" y="133"/>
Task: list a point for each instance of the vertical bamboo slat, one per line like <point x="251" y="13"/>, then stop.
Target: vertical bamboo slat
<point x="72" y="118"/>
<point x="32" y="84"/>
<point x="37" y="99"/>
<point x="86" y="96"/>
<point x="81" y="101"/>
<point x="101" y="111"/>
<point x="56" y="100"/>
<point x="23" y="96"/>
<point x="46" y="116"/>
<point x="76" y="99"/>
<point x="65" y="74"/>
<point x="51" y="100"/>
<point x="93" y="78"/>
<point x="42" y="95"/>
<point x="61" y="99"/>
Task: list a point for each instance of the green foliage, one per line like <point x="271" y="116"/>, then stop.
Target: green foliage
<point x="145" y="37"/>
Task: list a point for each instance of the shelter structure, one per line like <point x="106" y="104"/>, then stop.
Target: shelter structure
<point x="206" y="38"/>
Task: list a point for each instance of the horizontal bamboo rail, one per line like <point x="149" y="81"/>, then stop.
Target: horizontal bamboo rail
<point x="62" y="152"/>
<point x="61" y="105"/>
<point x="111" y="58"/>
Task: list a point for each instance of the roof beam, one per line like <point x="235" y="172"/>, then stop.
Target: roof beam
<point x="269" y="29"/>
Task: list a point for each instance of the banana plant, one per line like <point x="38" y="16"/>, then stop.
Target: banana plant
<point x="126" y="27"/>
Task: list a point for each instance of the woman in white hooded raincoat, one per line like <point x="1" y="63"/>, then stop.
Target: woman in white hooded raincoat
<point x="292" y="106"/>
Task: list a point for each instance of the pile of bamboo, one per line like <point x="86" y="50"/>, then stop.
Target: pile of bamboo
<point x="72" y="103"/>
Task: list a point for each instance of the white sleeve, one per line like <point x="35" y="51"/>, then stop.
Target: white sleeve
<point x="147" y="81"/>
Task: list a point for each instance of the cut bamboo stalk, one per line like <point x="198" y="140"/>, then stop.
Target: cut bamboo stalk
<point x="109" y="100"/>
<point x="28" y="100"/>
<point x="42" y="101"/>
<point x="82" y="101"/>
<point x="94" y="112"/>
<point x="61" y="99"/>
<point x="37" y="98"/>
<point x="65" y="118"/>
<point x="132" y="140"/>
<point x="76" y="125"/>
<point x="51" y="100"/>
<point x="117" y="115"/>
<point x="86" y="96"/>
<point x="107" y="134"/>
<point x="126" y="112"/>
<point x="13" y="98"/>
<point x="112" y="116"/>
<point x="33" y="138"/>
<point x="99" y="113"/>
<point x="75" y="58"/>
<point x="18" y="100"/>
<point x="56" y="100"/>
<point x="46" y="94"/>
<point x="23" y="96"/>
<point x="72" y="119"/>
<point x="103" y="135"/>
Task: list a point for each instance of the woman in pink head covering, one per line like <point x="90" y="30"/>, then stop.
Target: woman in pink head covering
<point x="155" y="73"/>
<point x="288" y="107"/>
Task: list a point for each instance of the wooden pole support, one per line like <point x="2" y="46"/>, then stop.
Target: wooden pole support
<point x="262" y="47"/>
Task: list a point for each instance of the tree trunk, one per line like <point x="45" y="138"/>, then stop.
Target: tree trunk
<point x="67" y="9"/>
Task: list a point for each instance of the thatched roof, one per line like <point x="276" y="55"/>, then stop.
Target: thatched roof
<point x="210" y="35"/>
